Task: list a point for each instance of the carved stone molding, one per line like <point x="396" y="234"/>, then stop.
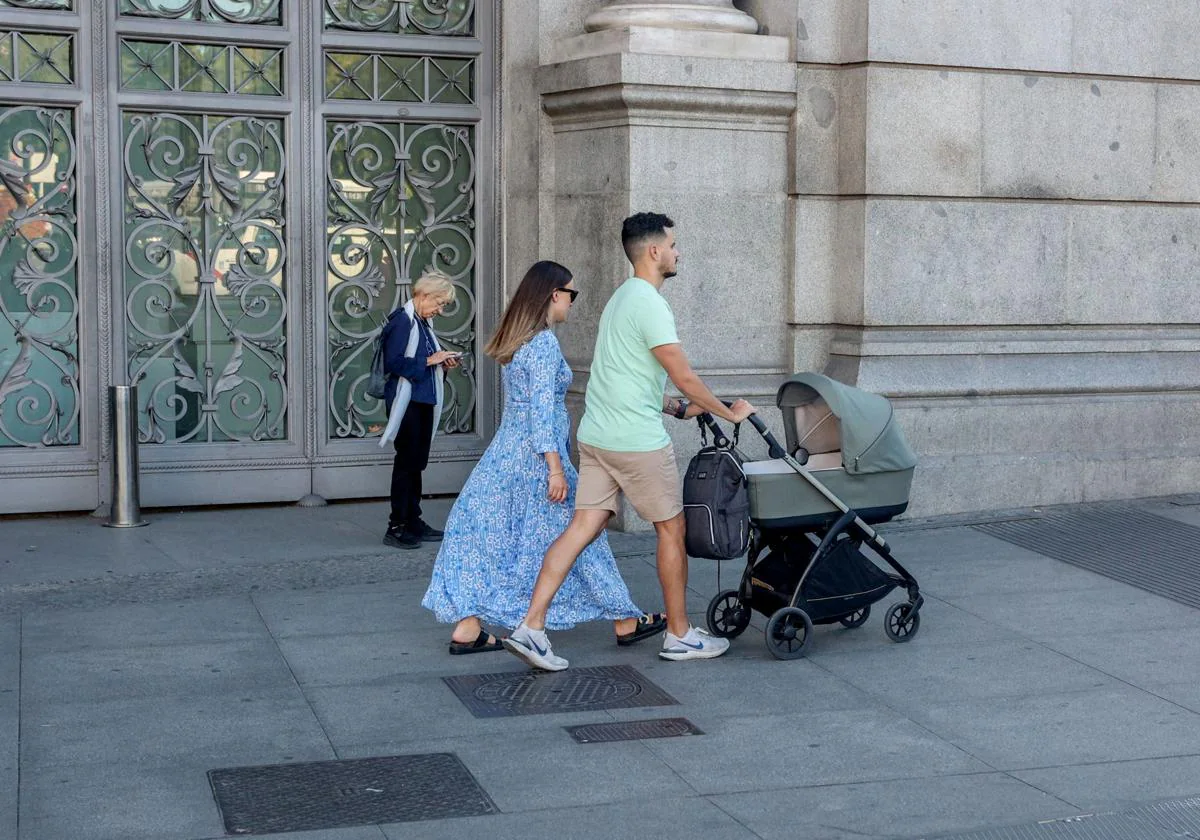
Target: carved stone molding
<point x="709" y="15"/>
<point x="618" y="104"/>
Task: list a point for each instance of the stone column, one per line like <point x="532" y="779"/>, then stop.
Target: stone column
<point x="708" y="15"/>
<point x="679" y="111"/>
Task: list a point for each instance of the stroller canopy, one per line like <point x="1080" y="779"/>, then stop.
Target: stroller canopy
<point x="871" y="440"/>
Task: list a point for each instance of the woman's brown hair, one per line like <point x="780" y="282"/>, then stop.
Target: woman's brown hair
<point x="525" y="315"/>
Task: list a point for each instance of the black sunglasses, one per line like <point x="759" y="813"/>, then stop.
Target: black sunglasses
<point x="574" y="293"/>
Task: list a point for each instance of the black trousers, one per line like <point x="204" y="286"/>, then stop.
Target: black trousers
<point x="412" y="456"/>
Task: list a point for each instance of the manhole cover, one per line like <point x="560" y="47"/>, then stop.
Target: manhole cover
<point x="339" y="794"/>
<point x="1153" y="553"/>
<point x="574" y="690"/>
<point x="633" y="730"/>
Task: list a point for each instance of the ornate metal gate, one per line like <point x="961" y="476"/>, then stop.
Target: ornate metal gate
<point x="220" y="201"/>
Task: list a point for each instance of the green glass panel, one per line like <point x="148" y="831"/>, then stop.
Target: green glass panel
<point x="415" y="17"/>
<point x="400" y="78"/>
<point x="45" y="58"/>
<point x="147" y="65"/>
<point x="401" y="200"/>
<point x="212" y="11"/>
<point x="205" y="258"/>
<point x="39" y="305"/>
<point x="203" y="68"/>
<point x="348" y="76"/>
<point x="451" y="80"/>
<point x="258" y="71"/>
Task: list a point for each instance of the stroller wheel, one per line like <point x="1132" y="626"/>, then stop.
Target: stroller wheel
<point x="857" y="618"/>
<point x="788" y="632"/>
<point x="727" y="616"/>
<point x="901" y="623"/>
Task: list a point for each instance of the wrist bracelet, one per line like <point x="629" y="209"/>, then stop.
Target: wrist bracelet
<point x="560" y="472"/>
<point x="681" y="412"/>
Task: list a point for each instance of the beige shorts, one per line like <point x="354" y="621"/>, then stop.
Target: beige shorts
<point x="649" y="480"/>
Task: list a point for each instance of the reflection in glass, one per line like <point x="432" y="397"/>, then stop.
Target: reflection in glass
<point x="400" y="78"/>
<point x="200" y="68"/>
<point x="401" y="199"/>
<point x="40" y="58"/>
<point x="204" y="266"/>
<point x="39" y="306"/>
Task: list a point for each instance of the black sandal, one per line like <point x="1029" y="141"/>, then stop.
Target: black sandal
<point x="480" y="645"/>
<point x="648" y="625"/>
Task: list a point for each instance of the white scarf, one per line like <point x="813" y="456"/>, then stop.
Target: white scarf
<point x="404" y="387"/>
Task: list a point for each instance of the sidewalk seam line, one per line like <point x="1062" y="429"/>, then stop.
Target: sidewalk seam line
<point x="20" y="704"/>
<point x="292" y="672"/>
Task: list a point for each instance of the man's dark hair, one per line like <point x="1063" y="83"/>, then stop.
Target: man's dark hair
<point x="642" y="226"/>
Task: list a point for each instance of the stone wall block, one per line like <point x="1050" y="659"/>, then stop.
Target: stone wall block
<point x="964" y="262"/>
<point x="1068" y="138"/>
<point x="1137" y="39"/>
<point x="830" y="31"/>
<point x="1177" y="159"/>
<point x="1135" y="264"/>
<point x="924" y="132"/>
<point x="1015" y="34"/>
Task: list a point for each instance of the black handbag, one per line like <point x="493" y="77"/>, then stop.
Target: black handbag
<point x="716" y="504"/>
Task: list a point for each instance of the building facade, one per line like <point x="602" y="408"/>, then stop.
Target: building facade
<point x="985" y="209"/>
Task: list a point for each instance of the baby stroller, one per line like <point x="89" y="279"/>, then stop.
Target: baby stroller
<point x="846" y="467"/>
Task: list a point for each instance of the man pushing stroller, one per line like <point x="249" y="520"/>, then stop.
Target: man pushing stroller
<point x="624" y="449"/>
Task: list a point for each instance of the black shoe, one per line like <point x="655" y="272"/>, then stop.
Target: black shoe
<point x="401" y="538"/>
<point x="425" y="532"/>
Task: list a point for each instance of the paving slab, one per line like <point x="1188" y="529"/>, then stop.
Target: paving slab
<point x="1142" y="657"/>
<point x="1103" y="610"/>
<point x="73" y="548"/>
<point x="1117" y="785"/>
<point x="379" y="608"/>
<point x="900" y="808"/>
<point x="220" y="731"/>
<point x="665" y="817"/>
<point x="1013" y="733"/>
<point x="417" y="708"/>
<point x="241" y="669"/>
<point x="546" y="769"/>
<point x="765" y="752"/>
<point x="143" y="625"/>
<point x="907" y="678"/>
<point x="10" y="721"/>
<point x="164" y="802"/>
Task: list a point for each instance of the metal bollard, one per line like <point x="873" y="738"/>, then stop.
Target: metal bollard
<point x="126" y="511"/>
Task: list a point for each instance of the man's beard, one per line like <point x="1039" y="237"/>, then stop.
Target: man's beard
<point x="669" y="274"/>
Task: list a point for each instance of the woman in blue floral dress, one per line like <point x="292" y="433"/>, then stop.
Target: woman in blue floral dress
<point x="520" y="495"/>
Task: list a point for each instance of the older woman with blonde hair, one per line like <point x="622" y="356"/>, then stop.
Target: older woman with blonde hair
<point x="520" y="495"/>
<point x="414" y="362"/>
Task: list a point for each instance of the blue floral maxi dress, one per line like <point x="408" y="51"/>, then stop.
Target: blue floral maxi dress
<point x="502" y="523"/>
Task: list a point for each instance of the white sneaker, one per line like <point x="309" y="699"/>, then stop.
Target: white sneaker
<point x="695" y="644"/>
<point x="533" y="646"/>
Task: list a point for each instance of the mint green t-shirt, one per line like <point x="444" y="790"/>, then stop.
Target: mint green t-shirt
<point x="623" y="404"/>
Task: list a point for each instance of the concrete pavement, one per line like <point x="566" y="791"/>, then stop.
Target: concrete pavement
<point x="133" y="662"/>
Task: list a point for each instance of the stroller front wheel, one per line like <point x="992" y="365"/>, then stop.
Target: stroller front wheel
<point x="727" y="617"/>
<point x="901" y="622"/>
<point x="788" y="632"/>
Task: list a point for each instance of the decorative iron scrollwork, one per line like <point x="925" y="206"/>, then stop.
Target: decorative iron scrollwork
<point x="39" y="367"/>
<point x="57" y="5"/>
<point x="205" y="255"/>
<point x="401" y="199"/>
<point x="227" y="11"/>
<point x="422" y="17"/>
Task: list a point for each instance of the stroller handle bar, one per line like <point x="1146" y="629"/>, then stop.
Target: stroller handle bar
<point x="720" y="439"/>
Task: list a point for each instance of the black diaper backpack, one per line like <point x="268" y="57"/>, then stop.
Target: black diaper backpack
<point x="716" y="504"/>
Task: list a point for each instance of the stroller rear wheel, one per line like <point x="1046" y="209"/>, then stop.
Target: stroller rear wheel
<point x="727" y="616"/>
<point x="901" y="622"/>
<point x="788" y="632"/>
<point x="857" y="618"/>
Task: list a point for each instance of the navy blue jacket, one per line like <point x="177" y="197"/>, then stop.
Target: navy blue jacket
<point x="416" y="370"/>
